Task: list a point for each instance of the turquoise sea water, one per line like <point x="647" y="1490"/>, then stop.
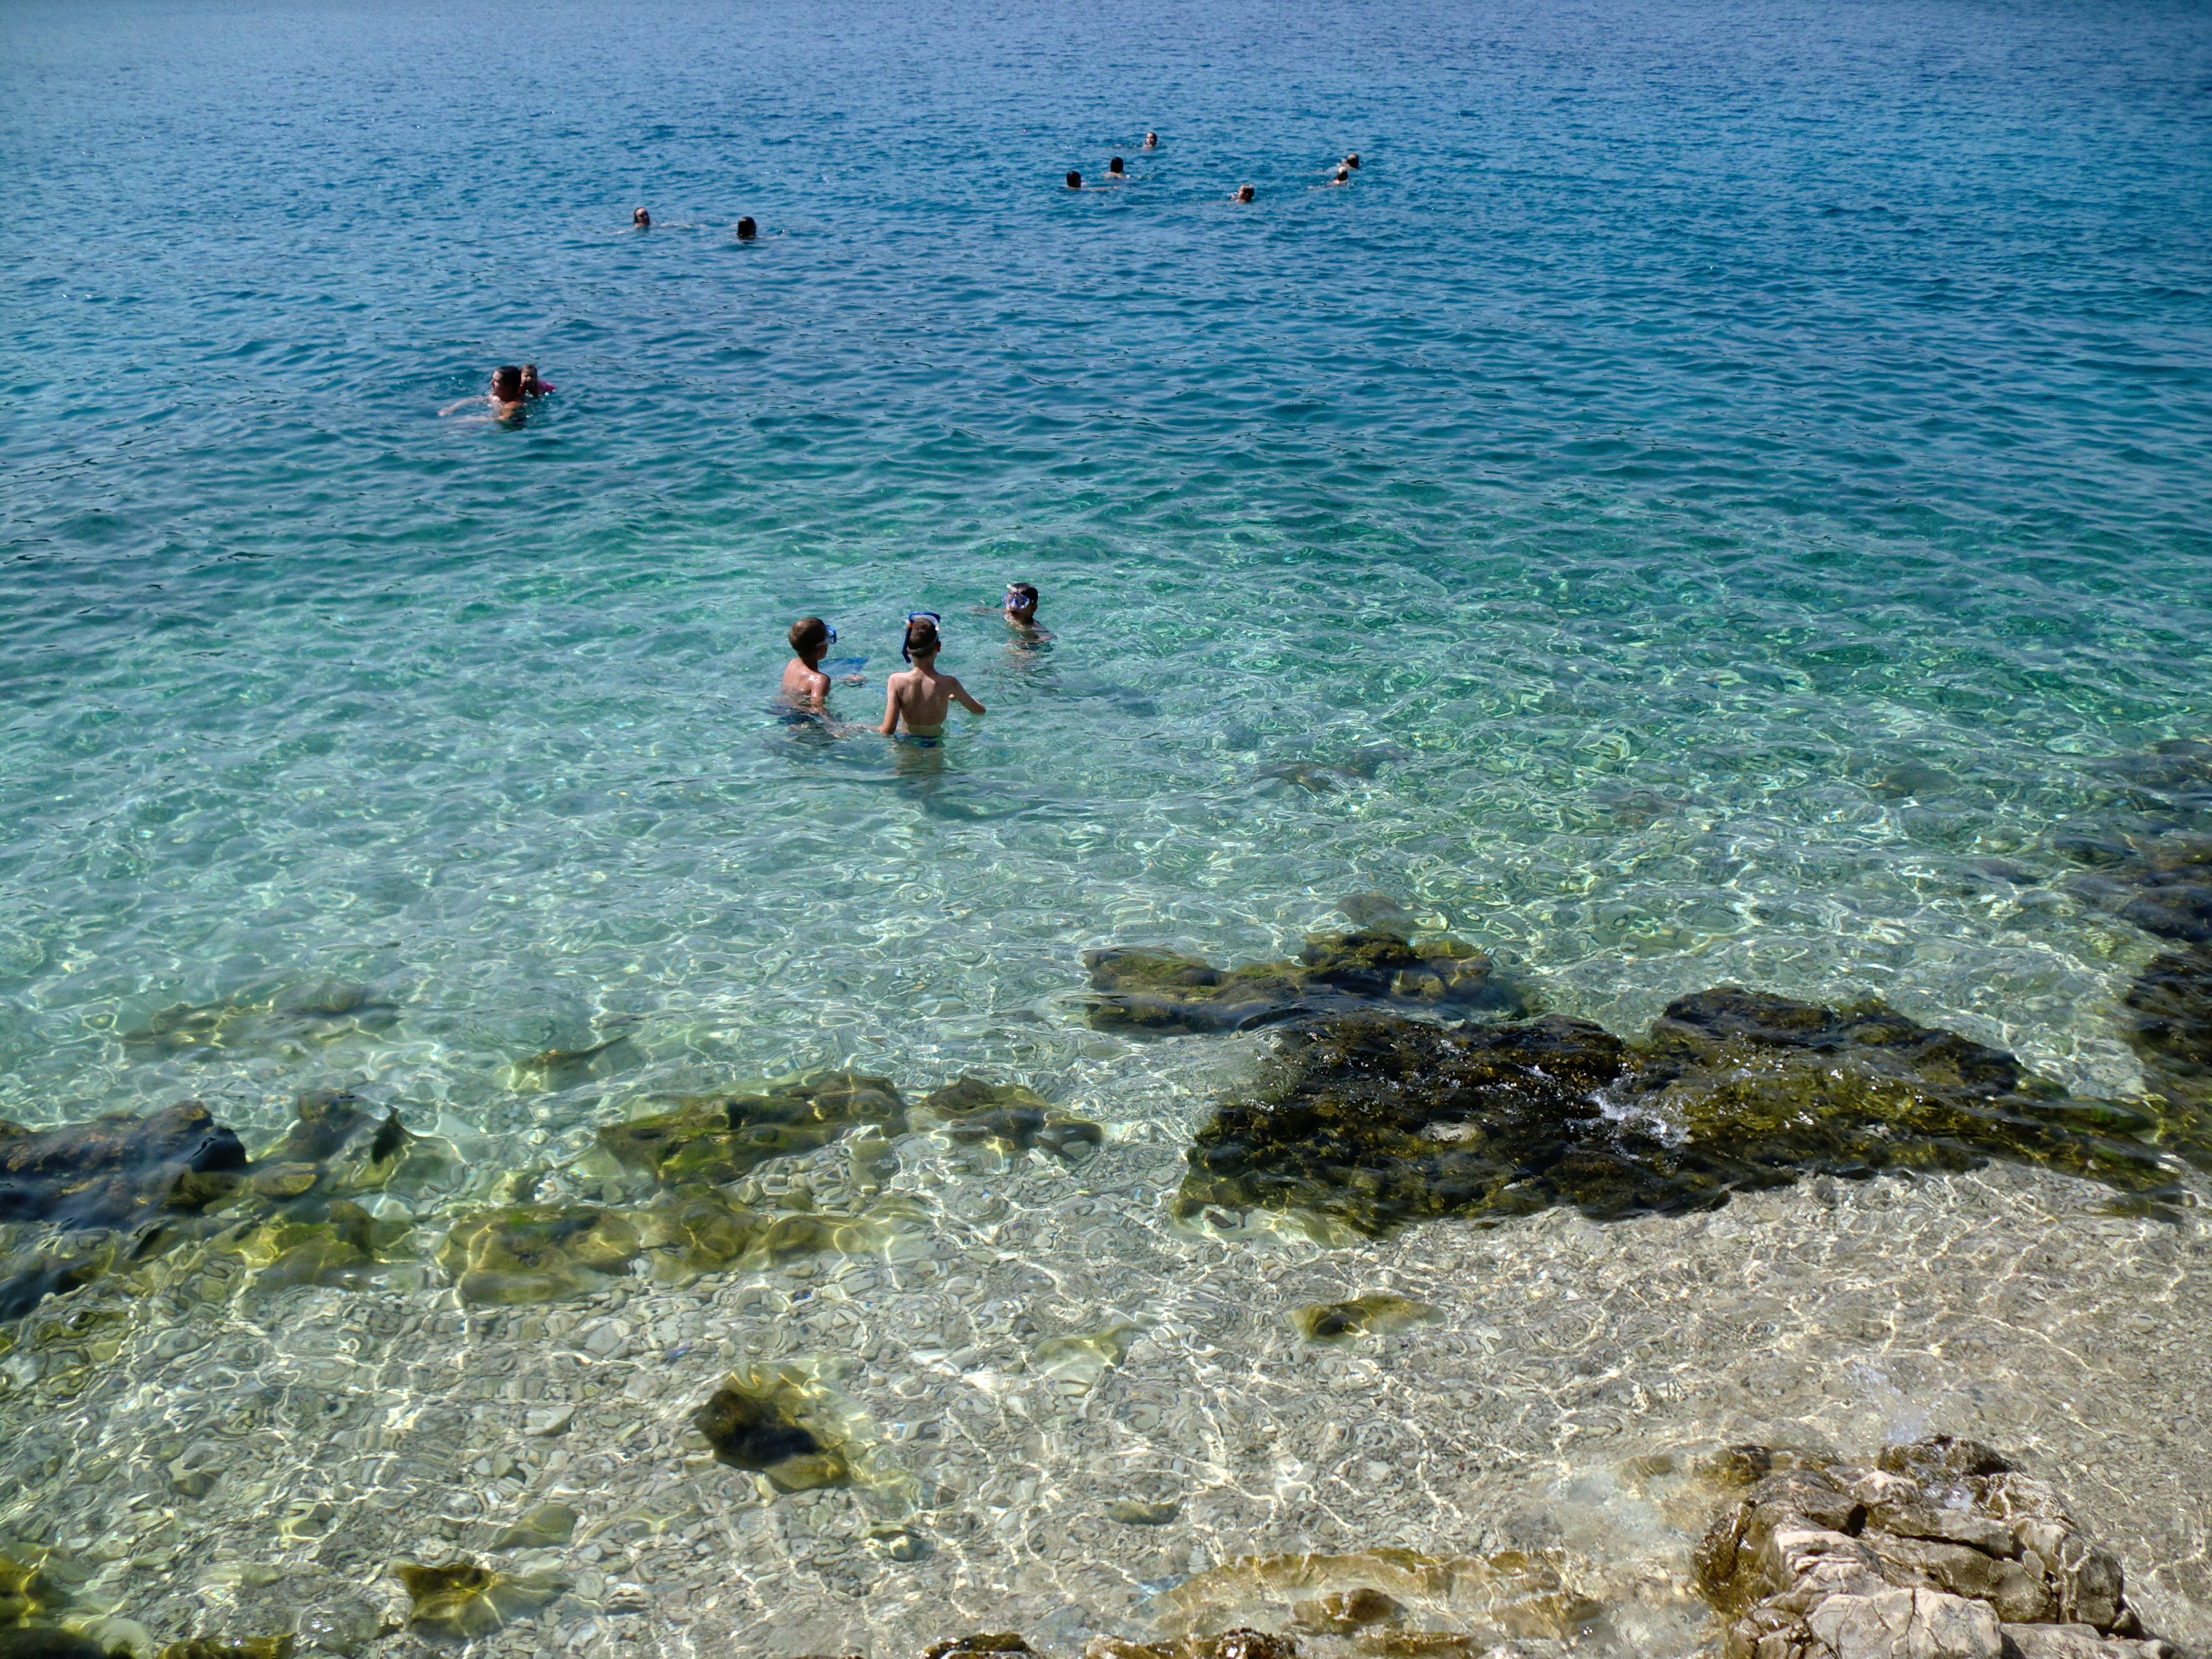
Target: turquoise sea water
<point x="1705" y="505"/>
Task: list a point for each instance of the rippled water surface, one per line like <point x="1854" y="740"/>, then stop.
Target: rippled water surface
<point x="1710" y="503"/>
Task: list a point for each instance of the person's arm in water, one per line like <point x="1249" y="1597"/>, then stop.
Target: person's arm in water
<point x="890" y="727"/>
<point x="960" y="692"/>
<point x="814" y="688"/>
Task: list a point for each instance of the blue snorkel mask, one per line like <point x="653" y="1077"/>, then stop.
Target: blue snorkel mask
<point x="832" y="626"/>
<point x="912" y="617"/>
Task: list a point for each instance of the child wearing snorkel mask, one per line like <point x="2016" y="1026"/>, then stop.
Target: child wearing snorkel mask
<point x="920" y="696"/>
<point x="1022" y="610"/>
<point x="804" y="684"/>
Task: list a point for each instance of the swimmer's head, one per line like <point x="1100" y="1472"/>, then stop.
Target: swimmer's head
<point x="1021" y="600"/>
<point x="1151" y="141"/>
<point x="1074" y="179"/>
<point x="809" y="637"/>
<point x="1344" y="175"/>
<point x="747" y="229"/>
<point x="506" y="383"/>
<point x="1352" y="160"/>
<point x="1113" y="166"/>
<point x="1243" y="192"/>
<point x="921" y="641"/>
<point x="642" y="219"/>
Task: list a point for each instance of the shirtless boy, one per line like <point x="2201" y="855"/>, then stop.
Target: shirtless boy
<point x="804" y="684"/>
<point x="920" y="696"/>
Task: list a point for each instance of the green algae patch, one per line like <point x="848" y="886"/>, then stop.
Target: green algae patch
<point x="347" y="1248"/>
<point x="788" y="1424"/>
<point x="537" y="1253"/>
<point x="1510" y="1594"/>
<point x="700" y="1230"/>
<point x="463" y="1600"/>
<point x="716" y="1138"/>
<point x="1013" y="1119"/>
<point x="1372" y="1122"/>
<point x="1141" y="988"/>
<point x="1337" y="1323"/>
<point x="252" y="1647"/>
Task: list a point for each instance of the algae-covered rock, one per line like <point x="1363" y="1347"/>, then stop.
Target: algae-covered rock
<point x="118" y="1171"/>
<point x="1373" y="1121"/>
<point x="786" y="1422"/>
<point x="1941" y="1532"/>
<point x="253" y="1647"/>
<point x="1009" y="1116"/>
<point x="537" y="1253"/>
<point x="1219" y="1644"/>
<point x="1146" y="989"/>
<point x="1339" y="1322"/>
<point x="722" y="1137"/>
<point x="45" y="1642"/>
<point x="347" y="1248"/>
<point x="1077" y="1362"/>
<point x="465" y="1600"/>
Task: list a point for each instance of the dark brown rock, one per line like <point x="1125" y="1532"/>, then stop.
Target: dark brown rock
<point x="118" y="1172"/>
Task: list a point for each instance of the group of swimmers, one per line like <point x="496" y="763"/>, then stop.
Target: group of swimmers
<point x="1117" y="172"/>
<point x="641" y="220"/>
<point x="917" y="698"/>
<point x="513" y="386"/>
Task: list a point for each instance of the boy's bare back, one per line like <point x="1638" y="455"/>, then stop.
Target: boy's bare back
<point x="922" y="698"/>
<point x="805" y="687"/>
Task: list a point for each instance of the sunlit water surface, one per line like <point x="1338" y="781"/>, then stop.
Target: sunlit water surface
<point x="1703" y="505"/>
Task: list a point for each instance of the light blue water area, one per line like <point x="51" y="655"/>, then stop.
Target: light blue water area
<point x="1720" y="475"/>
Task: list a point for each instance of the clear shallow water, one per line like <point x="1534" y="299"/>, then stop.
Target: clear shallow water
<point x="1719" y="477"/>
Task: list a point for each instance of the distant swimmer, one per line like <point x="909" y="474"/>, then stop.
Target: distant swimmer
<point x="641" y="220"/>
<point x="504" y="400"/>
<point x="1243" y="193"/>
<point x="804" y="684"/>
<point x="531" y="385"/>
<point x="747" y="230"/>
<point x="1021" y="611"/>
<point x="1151" y="141"/>
<point x="1343" y="176"/>
<point x="1352" y="160"/>
<point x="920" y="696"/>
<point x="1113" y="170"/>
<point x="1074" y="179"/>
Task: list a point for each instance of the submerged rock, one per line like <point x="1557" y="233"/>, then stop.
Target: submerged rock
<point x="1374" y="1121"/>
<point x="118" y="1171"/>
<point x="1497" y="1597"/>
<point x="209" y="1647"/>
<point x="463" y="1600"/>
<point x="1009" y="1116"/>
<point x="537" y="1251"/>
<point x="785" y="1423"/>
<point x="716" y="1138"/>
<point x="1222" y="1644"/>
<point x="1942" y="1548"/>
<point x="1339" y="1322"/>
<point x="1141" y="988"/>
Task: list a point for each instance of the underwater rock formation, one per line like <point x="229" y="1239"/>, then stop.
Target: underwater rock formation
<point x="86" y="1200"/>
<point x="537" y="1251"/>
<point x="1943" y="1549"/>
<point x="1225" y="1645"/>
<point x="1375" y="1120"/>
<point x="1140" y="988"/>
<point x="714" y="1139"/>
<point x="252" y="1647"/>
<point x="1009" y="1116"/>
<point x="118" y="1171"/>
<point x="1339" y="1322"/>
<point x="784" y="1422"/>
<point x="463" y="1600"/>
<point x="2163" y="884"/>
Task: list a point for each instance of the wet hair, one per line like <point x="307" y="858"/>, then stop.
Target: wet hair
<point x="1243" y="192"/>
<point x="640" y="217"/>
<point x="1114" y="166"/>
<point x="507" y="382"/>
<point x="1074" y="179"/>
<point x="809" y="634"/>
<point x="922" y="639"/>
<point x="1343" y="175"/>
<point x="1352" y="160"/>
<point x="1151" y="138"/>
<point x="747" y="229"/>
<point x="1027" y="590"/>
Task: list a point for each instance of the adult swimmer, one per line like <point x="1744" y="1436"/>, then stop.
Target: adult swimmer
<point x="504" y="399"/>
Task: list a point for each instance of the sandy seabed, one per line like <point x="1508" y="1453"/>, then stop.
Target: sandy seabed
<point x="241" y="1464"/>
